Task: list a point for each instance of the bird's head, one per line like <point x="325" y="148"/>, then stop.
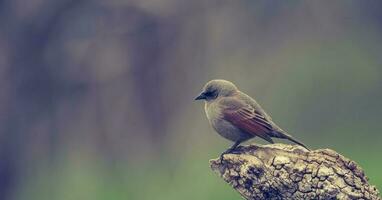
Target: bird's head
<point x="217" y="88"/>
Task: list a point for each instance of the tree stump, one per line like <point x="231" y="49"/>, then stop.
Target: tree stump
<point x="280" y="171"/>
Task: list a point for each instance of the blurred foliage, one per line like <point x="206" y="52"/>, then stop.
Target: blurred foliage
<point x="96" y="97"/>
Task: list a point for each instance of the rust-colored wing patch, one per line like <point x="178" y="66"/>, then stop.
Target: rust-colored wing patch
<point x="246" y="119"/>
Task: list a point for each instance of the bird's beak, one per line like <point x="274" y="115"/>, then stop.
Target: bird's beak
<point x="201" y="96"/>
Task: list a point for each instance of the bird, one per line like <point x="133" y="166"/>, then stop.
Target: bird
<point x="237" y="117"/>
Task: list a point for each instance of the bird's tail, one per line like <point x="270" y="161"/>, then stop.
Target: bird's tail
<point x="282" y="134"/>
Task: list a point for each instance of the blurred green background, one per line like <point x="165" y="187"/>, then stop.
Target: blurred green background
<point x="96" y="97"/>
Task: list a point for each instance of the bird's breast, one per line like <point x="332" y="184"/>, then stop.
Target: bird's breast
<point x="213" y="112"/>
<point x="222" y="126"/>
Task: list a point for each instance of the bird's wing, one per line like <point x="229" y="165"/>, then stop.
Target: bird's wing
<point x="253" y="103"/>
<point x="245" y="117"/>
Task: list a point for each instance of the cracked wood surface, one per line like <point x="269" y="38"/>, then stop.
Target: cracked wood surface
<point x="280" y="171"/>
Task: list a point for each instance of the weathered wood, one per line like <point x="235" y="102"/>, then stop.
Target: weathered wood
<point x="280" y="171"/>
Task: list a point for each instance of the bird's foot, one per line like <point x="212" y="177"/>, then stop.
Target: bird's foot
<point x="228" y="151"/>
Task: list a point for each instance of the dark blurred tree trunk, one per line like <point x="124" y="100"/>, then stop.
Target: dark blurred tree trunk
<point x="33" y="91"/>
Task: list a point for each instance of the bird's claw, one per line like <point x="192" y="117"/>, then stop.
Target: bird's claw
<point x="228" y="151"/>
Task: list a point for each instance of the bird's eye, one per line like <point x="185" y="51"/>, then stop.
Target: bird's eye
<point x="211" y="94"/>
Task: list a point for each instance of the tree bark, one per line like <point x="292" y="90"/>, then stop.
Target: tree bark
<point x="280" y="171"/>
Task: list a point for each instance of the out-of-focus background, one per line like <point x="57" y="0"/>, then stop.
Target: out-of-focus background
<point x="96" y="98"/>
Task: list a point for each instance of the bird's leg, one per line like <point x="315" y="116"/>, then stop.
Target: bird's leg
<point x="233" y="147"/>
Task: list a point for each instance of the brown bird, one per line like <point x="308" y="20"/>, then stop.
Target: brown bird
<point x="238" y="117"/>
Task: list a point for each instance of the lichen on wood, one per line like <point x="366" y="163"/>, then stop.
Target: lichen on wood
<point x="280" y="171"/>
